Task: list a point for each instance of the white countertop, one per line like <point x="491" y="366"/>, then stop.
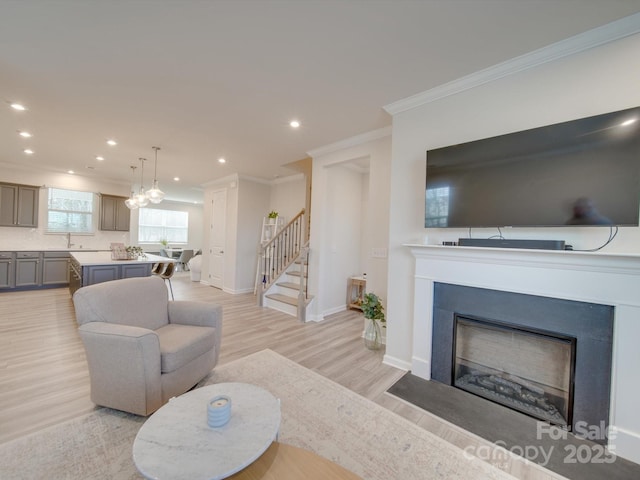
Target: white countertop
<point x="104" y="258"/>
<point x="52" y="249"/>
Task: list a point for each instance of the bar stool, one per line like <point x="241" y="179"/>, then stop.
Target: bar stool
<point x="167" y="273"/>
<point x="157" y="268"/>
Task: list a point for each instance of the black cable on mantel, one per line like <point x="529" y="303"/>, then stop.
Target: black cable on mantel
<point x="612" y="235"/>
<point x="499" y="236"/>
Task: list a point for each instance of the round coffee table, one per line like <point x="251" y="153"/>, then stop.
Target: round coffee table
<point x="177" y="443"/>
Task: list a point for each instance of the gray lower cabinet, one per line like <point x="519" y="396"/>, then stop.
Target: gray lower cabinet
<point x="55" y="268"/>
<point x="33" y="270"/>
<point x="83" y="275"/>
<point x="28" y="269"/>
<point x="99" y="274"/>
<point x="135" y="270"/>
<point x="7" y="276"/>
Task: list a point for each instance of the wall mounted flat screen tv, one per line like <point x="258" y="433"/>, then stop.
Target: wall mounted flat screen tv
<point x="582" y="172"/>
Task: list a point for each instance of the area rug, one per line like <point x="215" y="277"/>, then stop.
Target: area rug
<point x="317" y="414"/>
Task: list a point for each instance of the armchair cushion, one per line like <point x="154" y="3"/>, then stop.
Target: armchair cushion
<point x="180" y="344"/>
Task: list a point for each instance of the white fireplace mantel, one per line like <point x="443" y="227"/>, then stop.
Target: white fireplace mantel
<point x="595" y="277"/>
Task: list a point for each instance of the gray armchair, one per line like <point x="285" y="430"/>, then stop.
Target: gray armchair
<point x="141" y="348"/>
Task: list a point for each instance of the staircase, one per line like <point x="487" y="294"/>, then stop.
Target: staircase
<point x="281" y="280"/>
<point x="284" y="294"/>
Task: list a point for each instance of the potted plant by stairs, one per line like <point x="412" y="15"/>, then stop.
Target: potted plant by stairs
<point x="374" y="312"/>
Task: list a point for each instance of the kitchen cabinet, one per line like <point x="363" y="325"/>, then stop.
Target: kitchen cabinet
<point x="90" y="268"/>
<point x="55" y="268"/>
<point x="18" y="205"/>
<point x="27" y="269"/>
<point x="33" y="270"/>
<point x="7" y="276"/>
<point x="100" y="273"/>
<point x="114" y="214"/>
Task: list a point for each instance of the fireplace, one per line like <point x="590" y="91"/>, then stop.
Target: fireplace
<point x="525" y="369"/>
<point x="556" y="352"/>
<point x="604" y="283"/>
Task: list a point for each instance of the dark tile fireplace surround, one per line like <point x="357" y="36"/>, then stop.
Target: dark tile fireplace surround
<point x="590" y="324"/>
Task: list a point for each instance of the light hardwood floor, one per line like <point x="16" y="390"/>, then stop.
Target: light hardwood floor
<point x="44" y="378"/>
<point x="43" y="371"/>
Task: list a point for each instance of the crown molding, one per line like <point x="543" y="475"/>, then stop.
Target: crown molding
<point x="351" y="142"/>
<point x="288" y="178"/>
<point x="220" y="181"/>
<point x="578" y="43"/>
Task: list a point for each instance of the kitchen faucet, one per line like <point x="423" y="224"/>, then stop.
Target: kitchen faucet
<point x="69" y="244"/>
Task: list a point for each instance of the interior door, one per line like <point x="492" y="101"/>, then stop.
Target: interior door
<point x="217" y="242"/>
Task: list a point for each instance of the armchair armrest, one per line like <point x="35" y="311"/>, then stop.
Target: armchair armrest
<point x="200" y="314"/>
<point x="124" y="366"/>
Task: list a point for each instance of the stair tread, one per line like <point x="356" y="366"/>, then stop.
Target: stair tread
<point x="286" y="299"/>
<point x="294" y="286"/>
<point x="294" y="273"/>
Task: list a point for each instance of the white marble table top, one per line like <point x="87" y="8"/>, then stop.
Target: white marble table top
<point x="177" y="443"/>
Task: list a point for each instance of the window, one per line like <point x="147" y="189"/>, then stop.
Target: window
<point x="155" y="225"/>
<point x="70" y="211"/>
<point x="437" y="211"/>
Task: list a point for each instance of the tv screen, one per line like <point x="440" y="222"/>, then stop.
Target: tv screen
<point x="582" y="172"/>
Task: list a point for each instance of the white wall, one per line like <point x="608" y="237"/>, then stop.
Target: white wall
<point x="342" y="233"/>
<point x="350" y="214"/>
<point x="252" y="201"/>
<point x="288" y="196"/>
<point x="599" y="80"/>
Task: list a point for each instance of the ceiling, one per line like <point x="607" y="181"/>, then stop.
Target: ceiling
<point x="209" y="79"/>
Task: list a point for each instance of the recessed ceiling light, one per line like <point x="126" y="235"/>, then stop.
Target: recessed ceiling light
<point x="70" y="172"/>
<point x="112" y="143"/>
<point x="222" y="160"/>
<point x="25" y="134"/>
<point x="628" y="122"/>
<point x="18" y="106"/>
<point x="99" y="158"/>
<point x="28" y="151"/>
<point x="176" y="179"/>
<point x="294" y="123"/>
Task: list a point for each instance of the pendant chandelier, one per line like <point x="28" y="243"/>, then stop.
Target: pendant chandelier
<point x="154" y="194"/>
<point x="141" y="198"/>
<point x="131" y="201"/>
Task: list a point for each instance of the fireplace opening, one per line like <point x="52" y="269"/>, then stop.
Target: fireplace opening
<point x="528" y="370"/>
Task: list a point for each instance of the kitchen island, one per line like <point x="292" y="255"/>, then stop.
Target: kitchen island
<point x="88" y="268"/>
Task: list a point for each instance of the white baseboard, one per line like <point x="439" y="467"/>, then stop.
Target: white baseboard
<point x="396" y="362"/>
<point x="626" y="444"/>
<point x="421" y="368"/>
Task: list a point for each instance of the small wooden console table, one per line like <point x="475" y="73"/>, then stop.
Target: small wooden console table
<point x="356" y="288"/>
